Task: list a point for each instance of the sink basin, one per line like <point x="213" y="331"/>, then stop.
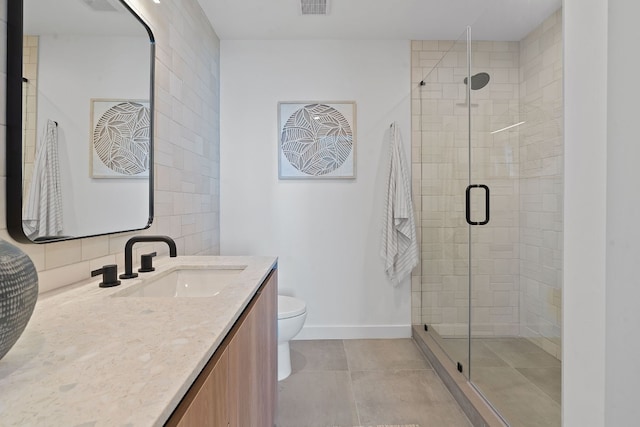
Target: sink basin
<point x="185" y="282"/>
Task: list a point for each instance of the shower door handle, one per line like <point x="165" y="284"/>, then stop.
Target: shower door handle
<point x="468" y="204"/>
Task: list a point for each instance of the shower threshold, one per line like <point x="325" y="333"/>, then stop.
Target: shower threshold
<point x="475" y="407"/>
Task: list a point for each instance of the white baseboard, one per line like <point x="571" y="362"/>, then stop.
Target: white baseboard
<point x="346" y="332"/>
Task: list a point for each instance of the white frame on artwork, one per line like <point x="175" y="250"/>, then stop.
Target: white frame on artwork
<point x="346" y="170"/>
<point x="97" y="168"/>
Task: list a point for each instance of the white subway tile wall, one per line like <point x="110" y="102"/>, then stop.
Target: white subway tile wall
<point x="186" y="148"/>
<point x="516" y="258"/>
<point x="541" y="185"/>
<point x="29" y="106"/>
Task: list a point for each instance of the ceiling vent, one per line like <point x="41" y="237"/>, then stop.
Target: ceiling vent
<point x="102" y="5"/>
<point x="314" y="7"/>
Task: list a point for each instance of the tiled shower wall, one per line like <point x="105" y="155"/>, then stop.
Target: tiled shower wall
<point x="186" y="149"/>
<point x="29" y="106"/>
<point x="516" y="259"/>
<point x="541" y="185"/>
<point x="440" y="175"/>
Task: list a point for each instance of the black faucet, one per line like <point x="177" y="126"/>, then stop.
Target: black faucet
<point x="128" y="252"/>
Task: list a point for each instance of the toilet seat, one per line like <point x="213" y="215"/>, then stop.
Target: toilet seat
<point x="290" y="307"/>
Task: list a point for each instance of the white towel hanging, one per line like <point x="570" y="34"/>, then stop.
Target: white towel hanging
<point x="42" y="213"/>
<point x="399" y="242"/>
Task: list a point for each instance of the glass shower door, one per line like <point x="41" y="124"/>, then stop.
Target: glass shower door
<point x="444" y="151"/>
<point x="515" y="248"/>
<point x="490" y="158"/>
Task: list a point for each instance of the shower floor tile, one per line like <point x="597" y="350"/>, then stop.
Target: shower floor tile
<point x="547" y="379"/>
<point x="522" y="381"/>
<point x="519" y="400"/>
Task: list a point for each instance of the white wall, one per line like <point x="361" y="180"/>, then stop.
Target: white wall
<point x="71" y="71"/>
<point x="602" y="237"/>
<point x="585" y="118"/>
<point x="327" y="232"/>
<point x="622" y="372"/>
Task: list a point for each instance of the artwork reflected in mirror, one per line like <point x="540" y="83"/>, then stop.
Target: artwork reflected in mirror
<point x="119" y="138"/>
<point x="83" y="140"/>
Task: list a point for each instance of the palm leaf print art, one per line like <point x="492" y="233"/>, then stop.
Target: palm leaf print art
<point x="121" y="138"/>
<point x="316" y="139"/>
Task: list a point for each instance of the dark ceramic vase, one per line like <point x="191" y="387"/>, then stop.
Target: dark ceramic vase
<point x="18" y="294"/>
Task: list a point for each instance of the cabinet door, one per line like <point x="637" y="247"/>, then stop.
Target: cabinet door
<point x="253" y="362"/>
<point x="207" y="402"/>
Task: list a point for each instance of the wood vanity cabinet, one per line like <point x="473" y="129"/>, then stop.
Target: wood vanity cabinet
<point x="238" y="386"/>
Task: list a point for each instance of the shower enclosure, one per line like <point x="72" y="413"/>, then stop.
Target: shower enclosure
<point x="487" y="176"/>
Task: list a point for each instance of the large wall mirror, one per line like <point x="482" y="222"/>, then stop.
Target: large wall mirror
<point x="79" y="119"/>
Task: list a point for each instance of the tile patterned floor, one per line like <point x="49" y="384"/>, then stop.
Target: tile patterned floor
<point x="349" y="383"/>
<point x="522" y="381"/>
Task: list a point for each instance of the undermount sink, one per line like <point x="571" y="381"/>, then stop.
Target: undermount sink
<point x="185" y="282"/>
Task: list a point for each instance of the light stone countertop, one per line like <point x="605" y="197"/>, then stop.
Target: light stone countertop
<point x="89" y="358"/>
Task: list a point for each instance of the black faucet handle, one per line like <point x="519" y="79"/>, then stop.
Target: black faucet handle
<point x="109" y="275"/>
<point x="146" y="262"/>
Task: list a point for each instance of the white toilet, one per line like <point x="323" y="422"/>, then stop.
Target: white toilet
<point x="291" y="315"/>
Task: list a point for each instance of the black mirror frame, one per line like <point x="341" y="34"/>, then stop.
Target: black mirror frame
<point x="13" y="142"/>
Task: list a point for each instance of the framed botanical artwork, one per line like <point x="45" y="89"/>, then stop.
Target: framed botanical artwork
<point x="316" y="140"/>
<point x="119" y="139"/>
